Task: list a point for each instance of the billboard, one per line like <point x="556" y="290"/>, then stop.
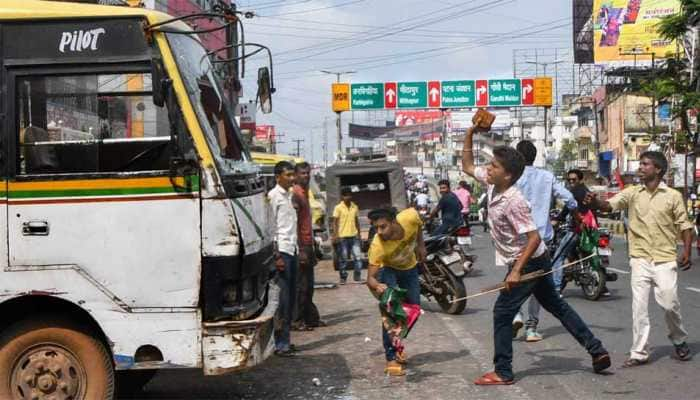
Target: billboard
<point x="583" y="31"/>
<point x="265" y="133"/>
<point x="629" y="26"/>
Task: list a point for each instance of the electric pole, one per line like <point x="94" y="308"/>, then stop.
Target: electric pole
<point x="298" y="142"/>
<point x="325" y="142"/>
<point x="338" y="122"/>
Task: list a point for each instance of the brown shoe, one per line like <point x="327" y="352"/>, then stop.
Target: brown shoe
<point x="393" y="368"/>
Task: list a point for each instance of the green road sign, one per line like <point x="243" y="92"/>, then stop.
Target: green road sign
<point x="367" y="96"/>
<point x="504" y="92"/>
<point x="458" y="94"/>
<point x="413" y="95"/>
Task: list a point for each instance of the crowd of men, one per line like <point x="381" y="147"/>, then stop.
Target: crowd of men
<point x="518" y="199"/>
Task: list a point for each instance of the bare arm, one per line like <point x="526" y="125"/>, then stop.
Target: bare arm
<point x="372" y="282"/>
<point x="533" y="241"/>
<point x="357" y="226"/>
<point x="594" y="202"/>
<point x="468" y="152"/>
<point x="687" y="246"/>
<point x="334" y="228"/>
<point x="421" y="253"/>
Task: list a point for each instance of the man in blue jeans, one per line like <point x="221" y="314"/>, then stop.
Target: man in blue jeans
<point x="285" y="237"/>
<point x="393" y="255"/>
<point x="450" y="209"/>
<point x="520" y="248"/>
<point x="346" y="236"/>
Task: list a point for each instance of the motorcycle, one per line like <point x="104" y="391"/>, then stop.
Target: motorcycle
<point x="442" y="273"/>
<point x="585" y="274"/>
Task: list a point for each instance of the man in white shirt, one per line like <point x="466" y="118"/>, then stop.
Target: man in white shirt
<point x="285" y="236"/>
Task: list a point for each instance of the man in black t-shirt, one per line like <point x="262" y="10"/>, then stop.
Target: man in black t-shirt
<point x="450" y="209"/>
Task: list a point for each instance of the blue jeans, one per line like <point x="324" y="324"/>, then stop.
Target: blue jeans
<point x="349" y="248"/>
<point x="445" y="227"/>
<point x="287" y="281"/>
<point x="566" y="245"/>
<point x="404" y="279"/>
<point x="508" y="304"/>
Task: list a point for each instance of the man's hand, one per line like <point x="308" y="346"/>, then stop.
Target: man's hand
<point x="684" y="263"/>
<point x="279" y="263"/>
<point x="589" y="199"/>
<point x="380" y="288"/>
<point x="421" y="253"/>
<point x="513" y="279"/>
<point x="303" y="257"/>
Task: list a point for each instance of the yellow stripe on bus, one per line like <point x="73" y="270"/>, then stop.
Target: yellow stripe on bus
<point x="127" y="183"/>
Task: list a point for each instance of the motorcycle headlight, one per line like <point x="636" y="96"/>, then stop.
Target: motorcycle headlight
<point x="430" y="257"/>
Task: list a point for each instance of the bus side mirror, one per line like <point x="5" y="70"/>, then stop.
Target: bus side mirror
<point x="160" y="81"/>
<point x="265" y="90"/>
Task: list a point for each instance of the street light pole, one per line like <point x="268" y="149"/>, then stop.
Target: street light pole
<point x="337" y="119"/>
<point x="544" y="65"/>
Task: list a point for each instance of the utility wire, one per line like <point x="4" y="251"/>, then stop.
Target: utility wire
<point x="397" y="27"/>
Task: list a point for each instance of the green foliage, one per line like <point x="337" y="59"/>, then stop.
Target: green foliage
<point x="672" y="82"/>
<point x="568" y="152"/>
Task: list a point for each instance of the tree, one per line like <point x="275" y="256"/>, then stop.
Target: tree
<point x="677" y="80"/>
<point x="568" y="152"/>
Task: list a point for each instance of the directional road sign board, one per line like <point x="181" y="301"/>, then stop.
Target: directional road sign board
<point x="390" y="95"/>
<point x="528" y="96"/>
<point x="341" y="97"/>
<point x="482" y="93"/>
<point x="367" y="96"/>
<point x="543" y="92"/>
<point x="434" y="94"/>
<point x="456" y="94"/>
<point x="443" y="94"/>
<point x="504" y="92"/>
<point x="413" y="95"/>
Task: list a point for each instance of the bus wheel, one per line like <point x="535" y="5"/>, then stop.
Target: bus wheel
<point x="45" y="358"/>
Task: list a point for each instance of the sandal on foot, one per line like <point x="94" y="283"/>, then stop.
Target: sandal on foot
<point x="492" y="378"/>
<point x="633" y="362"/>
<point x="393" y="368"/>
<point x="401" y="358"/>
<point x="682" y="351"/>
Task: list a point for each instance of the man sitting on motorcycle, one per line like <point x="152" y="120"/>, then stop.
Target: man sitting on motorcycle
<point x="393" y="255"/>
<point x="450" y="209"/>
<point x="567" y="246"/>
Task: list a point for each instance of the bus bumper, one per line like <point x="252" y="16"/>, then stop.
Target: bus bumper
<point x="230" y="346"/>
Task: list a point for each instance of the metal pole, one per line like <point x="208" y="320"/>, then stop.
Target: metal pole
<point x="653" y="97"/>
<point x="340" y="136"/>
<point x="232" y="38"/>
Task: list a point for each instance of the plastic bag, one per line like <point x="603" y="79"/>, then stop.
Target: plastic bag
<point x="588" y="244"/>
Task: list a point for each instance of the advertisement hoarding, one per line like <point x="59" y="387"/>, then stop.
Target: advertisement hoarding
<point x="629" y="26"/>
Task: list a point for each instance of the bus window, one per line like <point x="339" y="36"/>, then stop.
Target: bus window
<point x="90" y="123"/>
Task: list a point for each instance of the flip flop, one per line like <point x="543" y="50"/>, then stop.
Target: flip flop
<point x="393" y="368"/>
<point x="401" y="358"/>
<point x="633" y="362"/>
<point x="492" y="378"/>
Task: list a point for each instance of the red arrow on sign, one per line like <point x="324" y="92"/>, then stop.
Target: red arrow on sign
<point x="390" y="95"/>
<point x="434" y="94"/>
<point x="528" y="97"/>
<point x="482" y="93"/>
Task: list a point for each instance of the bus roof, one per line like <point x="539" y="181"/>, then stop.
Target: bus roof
<point x="38" y="9"/>
<point x="272" y="159"/>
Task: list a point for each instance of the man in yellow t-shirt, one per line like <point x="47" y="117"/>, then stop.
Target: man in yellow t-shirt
<point x="395" y="250"/>
<point x="346" y="236"/>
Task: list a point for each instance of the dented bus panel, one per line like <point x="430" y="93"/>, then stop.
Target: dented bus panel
<point x="132" y="211"/>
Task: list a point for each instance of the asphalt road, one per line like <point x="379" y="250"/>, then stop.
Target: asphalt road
<point x="448" y="352"/>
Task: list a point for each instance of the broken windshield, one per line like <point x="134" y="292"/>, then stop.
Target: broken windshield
<point x="210" y="104"/>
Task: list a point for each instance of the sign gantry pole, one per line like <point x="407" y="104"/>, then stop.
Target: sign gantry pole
<point x="338" y="121"/>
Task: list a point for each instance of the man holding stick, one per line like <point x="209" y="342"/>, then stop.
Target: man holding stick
<point x="519" y="247"/>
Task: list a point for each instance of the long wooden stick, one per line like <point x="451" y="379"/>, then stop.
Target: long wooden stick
<point x="523" y="278"/>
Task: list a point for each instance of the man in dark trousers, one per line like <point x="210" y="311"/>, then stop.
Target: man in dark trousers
<point x="306" y="315"/>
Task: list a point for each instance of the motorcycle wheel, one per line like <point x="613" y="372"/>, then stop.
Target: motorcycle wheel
<point x="453" y="289"/>
<point x="594" y="288"/>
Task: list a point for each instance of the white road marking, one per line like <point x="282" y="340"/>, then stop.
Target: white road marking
<point x="483" y="358"/>
<point x="619" y="271"/>
<point x="692" y="289"/>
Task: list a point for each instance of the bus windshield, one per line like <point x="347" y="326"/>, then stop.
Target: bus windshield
<point x="211" y="106"/>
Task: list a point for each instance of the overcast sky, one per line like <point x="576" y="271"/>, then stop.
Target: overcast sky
<point x="386" y="40"/>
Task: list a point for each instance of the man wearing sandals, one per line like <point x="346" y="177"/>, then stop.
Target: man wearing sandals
<point x="393" y="255"/>
<point x="519" y="247"/>
<point x="656" y="217"/>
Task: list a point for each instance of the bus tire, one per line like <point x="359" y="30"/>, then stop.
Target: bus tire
<point x="45" y="356"/>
